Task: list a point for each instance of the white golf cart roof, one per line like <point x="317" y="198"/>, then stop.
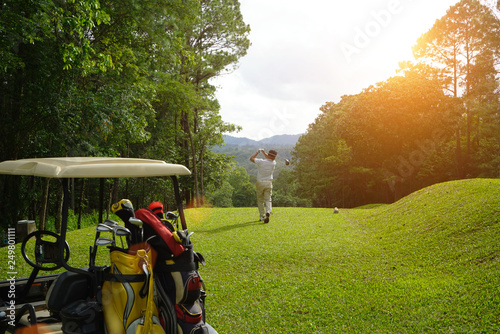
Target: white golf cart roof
<point x="91" y="167"/>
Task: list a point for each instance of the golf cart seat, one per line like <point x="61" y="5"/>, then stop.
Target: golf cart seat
<point x="67" y="288"/>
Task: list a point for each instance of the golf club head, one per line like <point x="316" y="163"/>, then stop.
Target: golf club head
<point x="110" y="222"/>
<point x="171" y="215"/>
<point x="104" y="228"/>
<point x="122" y="231"/>
<point x="101" y="241"/>
<point x="136" y="221"/>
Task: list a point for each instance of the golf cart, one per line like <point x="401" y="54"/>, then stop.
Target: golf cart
<point x="151" y="284"/>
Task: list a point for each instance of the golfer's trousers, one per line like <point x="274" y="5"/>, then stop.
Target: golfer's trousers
<point x="264" y="192"/>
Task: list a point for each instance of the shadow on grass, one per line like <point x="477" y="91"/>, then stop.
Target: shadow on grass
<point x="230" y="227"/>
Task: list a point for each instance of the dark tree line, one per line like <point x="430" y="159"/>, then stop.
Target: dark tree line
<point x="114" y="78"/>
<point x="437" y="120"/>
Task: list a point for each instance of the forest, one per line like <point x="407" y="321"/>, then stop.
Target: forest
<point x="437" y="120"/>
<point x="114" y="78"/>
<point x="132" y="79"/>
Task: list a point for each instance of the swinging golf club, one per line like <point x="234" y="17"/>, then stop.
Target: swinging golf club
<point x="263" y="151"/>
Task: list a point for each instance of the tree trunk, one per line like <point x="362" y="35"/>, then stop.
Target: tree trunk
<point x="190" y="150"/>
<point x="43" y="209"/>
<point x="60" y="199"/>
<point x="459" y="156"/>
<point x="115" y="192"/>
<point x="80" y="204"/>
<point x="202" y="190"/>
<point x="195" y="170"/>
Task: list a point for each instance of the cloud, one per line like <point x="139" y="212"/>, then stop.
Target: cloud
<point x="297" y="61"/>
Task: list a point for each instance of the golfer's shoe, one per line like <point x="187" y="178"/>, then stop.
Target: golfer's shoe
<point x="266" y="220"/>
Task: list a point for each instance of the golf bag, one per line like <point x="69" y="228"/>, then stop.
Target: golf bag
<point x="179" y="286"/>
<point x="127" y="293"/>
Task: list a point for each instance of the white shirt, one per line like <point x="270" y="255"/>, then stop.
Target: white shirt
<point x="265" y="169"/>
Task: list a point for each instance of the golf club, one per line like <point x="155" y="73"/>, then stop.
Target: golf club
<point x="102" y="241"/>
<point x="110" y="222"/>
<point x="123" y="232"/>
<point x="137" y="222"/>
<point x="263" y="151"/>
<point x="172" y="216"/>
<point x="106" y="228"/>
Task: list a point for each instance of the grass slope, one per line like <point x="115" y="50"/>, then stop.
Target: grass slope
<point x="427" y="263"/>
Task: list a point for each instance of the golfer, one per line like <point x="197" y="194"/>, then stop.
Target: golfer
<point x="265" y="169"/>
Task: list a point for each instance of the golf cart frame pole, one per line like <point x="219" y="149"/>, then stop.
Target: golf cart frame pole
<point x="178" y="200"/>
<point x="101" y="199"/>
<point x="64" y="228"/>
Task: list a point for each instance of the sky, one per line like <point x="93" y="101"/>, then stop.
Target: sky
<point x="307" y="53"/>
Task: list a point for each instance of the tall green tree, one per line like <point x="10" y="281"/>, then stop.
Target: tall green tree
<point x="484" y="102"/>
<point x="320" y="157"/>
<point x="455" y="44"/>
<point x="371" y="147"/>
<point x="213" y="44"/>
<point x="45" y="45"/>
<point x="107" y="77"/>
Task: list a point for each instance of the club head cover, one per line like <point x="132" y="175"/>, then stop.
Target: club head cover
<point x="123" y="209"/>
<point x="157" y="208"/>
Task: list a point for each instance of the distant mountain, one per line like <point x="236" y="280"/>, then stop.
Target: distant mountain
<point x="239" y="141"/>
<point x="274" y="141"/>
<point x="240" y="149"/>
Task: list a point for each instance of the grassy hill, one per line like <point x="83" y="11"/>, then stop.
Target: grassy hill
<point x="427" y="263"/>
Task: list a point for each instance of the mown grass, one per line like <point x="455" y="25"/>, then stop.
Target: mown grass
<point x="428" y="263"/>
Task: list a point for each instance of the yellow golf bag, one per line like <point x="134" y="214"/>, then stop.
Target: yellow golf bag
<point x="127" y="293"/>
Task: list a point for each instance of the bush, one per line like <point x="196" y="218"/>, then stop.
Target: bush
<point x="222" y="197"/>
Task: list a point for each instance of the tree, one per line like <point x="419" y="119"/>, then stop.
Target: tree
<point x="115" y="78"/>
<point x="222" y="197"/>
<point x="370" y="147"/>
<point x="455" y="44"/>
<point x="318" y="174"/>
<point x="244" y="191"/>
<point x="214" y="42"/>
<point x="484" y="102"/>
<point x="285" y="190"/>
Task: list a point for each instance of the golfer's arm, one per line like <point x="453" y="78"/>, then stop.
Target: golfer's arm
<point x="252" y="158"/>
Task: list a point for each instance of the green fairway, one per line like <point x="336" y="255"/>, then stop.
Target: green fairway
<point x="428" y="263"/>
